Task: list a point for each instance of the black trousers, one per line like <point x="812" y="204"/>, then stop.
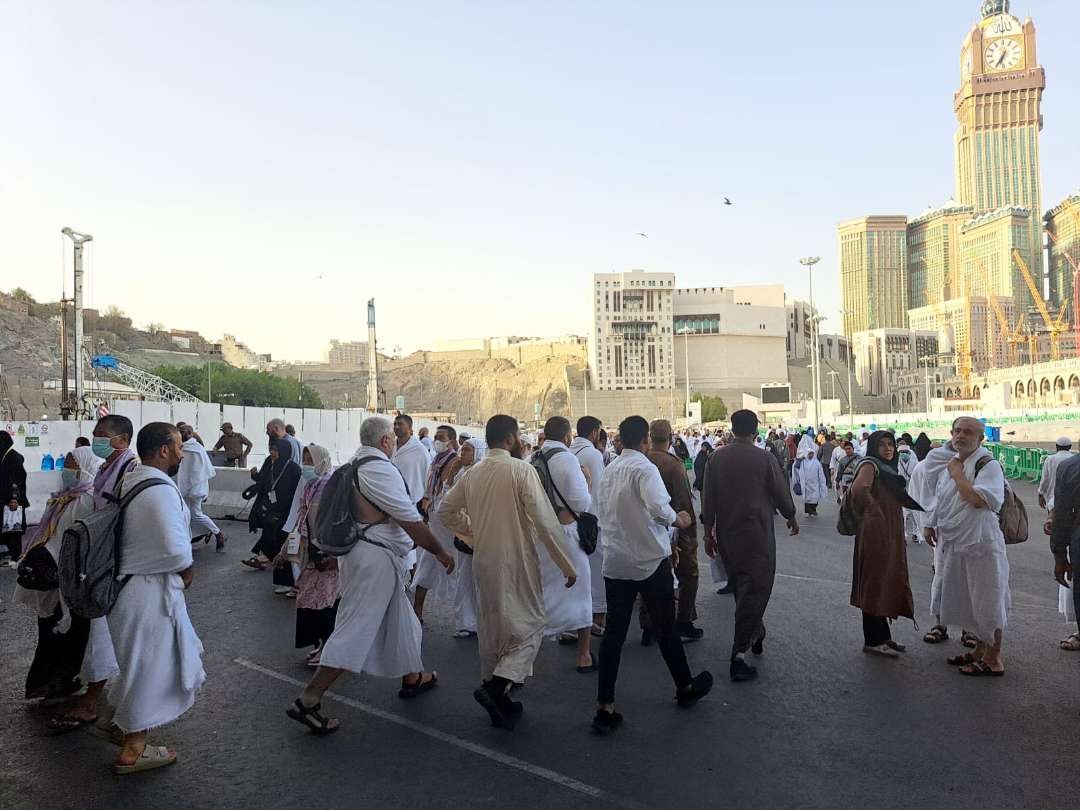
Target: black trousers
<point x="658" y="594"/>
<point x="875" y="630"/>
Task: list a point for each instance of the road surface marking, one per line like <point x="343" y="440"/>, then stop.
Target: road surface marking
<point x="496" y="756"/>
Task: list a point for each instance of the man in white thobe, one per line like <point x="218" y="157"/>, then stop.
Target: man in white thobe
<point x="1063" y="452"/>
<point x="975" y="569"/>
<point x="376" y="630"/>
<point x="414" y="462"/>
<point x="569" y="611"/>
<point x="159" y="654"/>
<point x="193" y="480"/>
<point x="501" y="505"/>
<point x="585" y="449"/>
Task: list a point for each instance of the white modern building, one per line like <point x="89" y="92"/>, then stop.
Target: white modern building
<point x="736" y="338"/>
<point x="882" y="355"/>
<point x="630" y="347"/>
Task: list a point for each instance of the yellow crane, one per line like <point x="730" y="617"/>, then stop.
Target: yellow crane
<point x="1054" y="327"/>
<point x="1076" y="281"/>
<point x="1011" y="335"/>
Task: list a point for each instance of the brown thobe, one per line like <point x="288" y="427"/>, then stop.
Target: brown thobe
<point x="744" y="487"/>
<point x="502" y="505"/>
<point x="879" y="578"/>
<point x="674" y="474"/>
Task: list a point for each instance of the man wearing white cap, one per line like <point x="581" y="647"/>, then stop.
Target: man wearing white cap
<point x="1049" y="472"/>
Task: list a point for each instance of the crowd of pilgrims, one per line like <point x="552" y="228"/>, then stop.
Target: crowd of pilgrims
<point x="558" y="534"/>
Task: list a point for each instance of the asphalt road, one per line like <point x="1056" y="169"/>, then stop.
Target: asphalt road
<point x="824" y="726"/>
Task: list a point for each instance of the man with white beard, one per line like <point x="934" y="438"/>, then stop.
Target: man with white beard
<point x="193" y="480"/>
<point x="585" y="448"/>
<point x="975" y="569"/>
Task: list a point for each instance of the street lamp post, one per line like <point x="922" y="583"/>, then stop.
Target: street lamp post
<point x="685" y="332"/>
<point x="809" y="263"/>
<point x="846" y="313"/>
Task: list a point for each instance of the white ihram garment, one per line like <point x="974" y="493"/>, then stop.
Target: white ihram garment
<point x="811" y="478"/>
<point x="193" y="480"/>
<point x="414" y="461"/>
<point x="974" y="567"/>
<point x="376" y="630"/>
<point x="592" y="459"/>
<point x="430" y="573"/>
<point x="160" y="655"/>
<point x="567" y="609"/>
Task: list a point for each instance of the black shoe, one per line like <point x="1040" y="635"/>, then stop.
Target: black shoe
<point x="742" y="671"/>
<point x="687" y="631"/>
<point x="647" y="638"/>
<point x="603" y="722"/>
<point x="514" y="708"/>
<point x="727" y="589"/>
<point x="759" y="645"/>
<point x="499" y="718"/>
<point x="700" y="686"/>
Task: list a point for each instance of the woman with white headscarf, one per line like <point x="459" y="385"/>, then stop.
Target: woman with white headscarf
<point x="56" y="664"/>
<point x="317" y="577"/>
<point x="465" y="606"/>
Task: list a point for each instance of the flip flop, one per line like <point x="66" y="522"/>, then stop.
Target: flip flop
<point x="312" y="717"/>
<point x="411" y="690"/>
<point x="65" y="725"/>
<point x="981" y="669"/>
<point x="967" y="659"/>
<point x="152" y="757"/>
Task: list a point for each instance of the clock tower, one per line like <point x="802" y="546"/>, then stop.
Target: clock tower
<point x="999" y="110"/>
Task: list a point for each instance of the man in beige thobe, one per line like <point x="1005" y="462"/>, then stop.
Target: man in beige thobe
<point x="501" y="504"/>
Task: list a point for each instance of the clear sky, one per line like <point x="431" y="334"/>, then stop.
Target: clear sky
<point x="263" y="168"/>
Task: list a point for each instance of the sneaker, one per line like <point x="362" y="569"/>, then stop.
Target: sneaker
<point x="687" y="631"/>
<point x="647" y="638"/>
<point x="700" y="686"/>
<point x="281" y="590"/>
<point x="741" y="671"/>
<point x="884" y="650"/>
<point x="603" y="722"/>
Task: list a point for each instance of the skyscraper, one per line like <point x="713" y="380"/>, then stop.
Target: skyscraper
<point x="1063" y="263"/>
<point x="873" y="273"/>
<point x="999" y="110"/>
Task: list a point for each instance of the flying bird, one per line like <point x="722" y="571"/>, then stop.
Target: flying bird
<point x="643" y="235"/>
<point x="727" y="201"/>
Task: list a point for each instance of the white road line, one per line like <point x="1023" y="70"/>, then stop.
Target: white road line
<point x="496" y="756"/>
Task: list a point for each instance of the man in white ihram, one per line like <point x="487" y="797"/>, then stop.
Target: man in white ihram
<point x="159" y="654"/>
<point x="584" y="448"/>
<point x="193" y="481"/>
<point x="376" y="630"/>
<point x="974" y="576"/>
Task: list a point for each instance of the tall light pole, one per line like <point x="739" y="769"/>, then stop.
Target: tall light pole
<point x="685" y="332"/>
<point x="846" y="313"/>
<point x="78" y="240"/>
<point x="809" y="263"/>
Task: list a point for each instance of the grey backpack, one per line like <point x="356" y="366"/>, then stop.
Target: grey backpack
<point x="336" y="528"/>
<point x="90" y="556"/>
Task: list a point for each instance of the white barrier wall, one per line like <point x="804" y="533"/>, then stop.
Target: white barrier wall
<point x="337" y="431"/>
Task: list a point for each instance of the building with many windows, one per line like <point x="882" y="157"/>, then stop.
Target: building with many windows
<point x="882" y="355"/>
<point x="873" y="273"/>
<point x="933" y="253"/>
<point x="987" y="263"/>
<point x="631" y="345"/>
<point x="351" y="354"/>
<point x="1063" y="257"/>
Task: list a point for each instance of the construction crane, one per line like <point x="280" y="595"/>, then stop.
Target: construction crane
<point x="1012" y="334"/>
<point x="1076" y="282"/>
<point x="144" y="382"/>
<point x="1054" y="327"/>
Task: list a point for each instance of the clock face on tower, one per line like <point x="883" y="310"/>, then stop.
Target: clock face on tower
<point x="1003" y="54"/>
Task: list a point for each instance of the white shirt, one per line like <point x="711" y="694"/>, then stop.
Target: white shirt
<point x="195" y="471"/>
<point x="13" y="521"/>
<point x="382" y="484"/>
<point x="413" y="460"/>
<point x="1049" y="473"/>
<point x="568" y="478"/>
<point x="635" y="515"/>
<point x="593" y="460"/>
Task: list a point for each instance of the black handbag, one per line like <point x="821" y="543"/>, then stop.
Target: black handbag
<point x="38" y="570"/>
<point x="588" y="526"/>
<point x="462" y="546"/>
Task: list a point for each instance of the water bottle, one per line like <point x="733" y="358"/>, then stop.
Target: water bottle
<point x="60" y="462"/>
<point x="47" y="463"/>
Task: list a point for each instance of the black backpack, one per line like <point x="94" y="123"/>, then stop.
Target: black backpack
<point x="588" y="526"/>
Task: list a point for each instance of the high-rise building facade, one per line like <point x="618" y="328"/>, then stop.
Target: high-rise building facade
<point x="987" y="263"/>
<point x="933" y="253"/>
<point x="999" y="112"/>
<point x="350" y="354"/>
<point x="884" y="354"/>
<point x="631" y="347"/>
<point x="873" y="273"/>
<point x="1063" y="257"/>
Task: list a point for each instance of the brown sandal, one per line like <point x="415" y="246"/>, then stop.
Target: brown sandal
<point x="937" y="635"/>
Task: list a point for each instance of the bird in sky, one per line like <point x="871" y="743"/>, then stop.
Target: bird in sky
<point x="727" y="201"/>
<point x="643" y="235"/>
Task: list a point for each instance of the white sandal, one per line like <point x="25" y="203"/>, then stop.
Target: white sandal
<point x="152" y="757"/>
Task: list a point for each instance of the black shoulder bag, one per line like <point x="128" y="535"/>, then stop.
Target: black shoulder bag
<point x="588" y="526"/>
